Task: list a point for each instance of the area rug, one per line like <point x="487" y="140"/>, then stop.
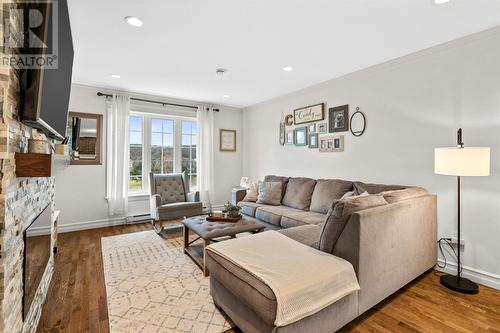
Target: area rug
<point x="152" y="286"/>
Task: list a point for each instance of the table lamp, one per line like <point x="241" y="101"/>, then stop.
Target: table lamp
<point x="461" y="161"/>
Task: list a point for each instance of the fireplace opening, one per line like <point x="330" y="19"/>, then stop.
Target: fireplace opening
<point x="36" y="255"/>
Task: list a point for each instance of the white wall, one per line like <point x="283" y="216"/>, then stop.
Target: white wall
<point x="80" y="189"/>
<point x="412" y="104"/>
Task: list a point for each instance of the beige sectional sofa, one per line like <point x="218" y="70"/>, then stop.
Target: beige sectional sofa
<point x="388" y="246"/>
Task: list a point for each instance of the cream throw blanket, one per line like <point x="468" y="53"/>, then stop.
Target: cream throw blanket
<point x="304" y="280"/>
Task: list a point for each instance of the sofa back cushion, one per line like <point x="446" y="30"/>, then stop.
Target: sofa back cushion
<point x="269" y="193"/>
<point x="339" y="215"/>
<point x="400" y="195"/>
<point x="299" y="192"/>
<point x="282" y="180"/>
<point x="326" y="192"/>
<point x="360" y="187"/>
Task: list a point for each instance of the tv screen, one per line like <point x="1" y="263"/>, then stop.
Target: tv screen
<point x="47" y="90"/>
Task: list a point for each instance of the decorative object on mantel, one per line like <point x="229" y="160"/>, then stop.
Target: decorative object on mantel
<point x="282" y="134"/>
<point x="301" y="136"/>
<point x="460" y="161"/>
<point x="313" y="140"/>
<point x="288" y="120"/>
<point x="289" y="137"/>
<point x="33" y="165"/>
<point x="309" y="114"/>
<point x="338" y="119"/>
<point x="39" y="146"/>
<point x="60" y="149"/>
<point x="357" y="123"/>
<point x="227" y="140"/>
<point x="322" y="128"/>
<point x="331" y="143"/>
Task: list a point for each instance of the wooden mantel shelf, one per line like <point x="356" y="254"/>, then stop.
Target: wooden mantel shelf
<point x="33" y="165"/>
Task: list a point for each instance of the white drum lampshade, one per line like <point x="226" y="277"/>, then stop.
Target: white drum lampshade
<point x="454" y="161"/>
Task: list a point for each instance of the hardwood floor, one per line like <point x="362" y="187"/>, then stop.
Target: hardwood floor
<point x="76" y="300"/>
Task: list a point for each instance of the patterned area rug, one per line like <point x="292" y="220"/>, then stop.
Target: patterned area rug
<point x="152" y="286"/>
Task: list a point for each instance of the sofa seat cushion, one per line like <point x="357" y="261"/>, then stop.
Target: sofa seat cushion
<point x="326" y="191"/>
<point x="273" y="214"/>
<point x="250" y="290"/>
<point x="179" y="209"/>
<point x="248" y="207"/>
<point x="298" y="193"/>
<point x="290" y="219"/>
<point x="360" y="187"/>
<point x="305" y="234"/>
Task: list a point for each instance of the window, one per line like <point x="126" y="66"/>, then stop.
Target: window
<point x="189" y="132"/>
<point x="135" y="135"/>
<point x="161" y="144"/>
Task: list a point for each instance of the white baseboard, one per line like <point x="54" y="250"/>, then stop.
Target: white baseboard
<point x="61" y="228"/>
<point x="476" y="275"/>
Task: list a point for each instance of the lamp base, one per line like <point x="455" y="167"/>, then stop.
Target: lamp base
<point x="459" y="284"/>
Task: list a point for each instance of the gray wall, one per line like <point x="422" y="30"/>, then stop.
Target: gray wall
<point x="413" y="104"/>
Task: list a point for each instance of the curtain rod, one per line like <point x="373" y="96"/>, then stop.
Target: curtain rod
<point x="156" y="102"/>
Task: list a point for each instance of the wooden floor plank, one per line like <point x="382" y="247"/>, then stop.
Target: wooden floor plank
<point x="76" y="301"/>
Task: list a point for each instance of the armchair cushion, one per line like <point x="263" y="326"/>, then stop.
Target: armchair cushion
<point x="170" y="187"/>
<point x="193" y="196"/>
<point x="179" y="209"/>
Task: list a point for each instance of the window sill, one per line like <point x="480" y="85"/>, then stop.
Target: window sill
<point x="138" y="196"/>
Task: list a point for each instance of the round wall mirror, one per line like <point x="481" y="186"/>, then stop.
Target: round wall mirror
<point x="358" y="123"/>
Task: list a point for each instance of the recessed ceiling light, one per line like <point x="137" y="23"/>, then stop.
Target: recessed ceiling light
<point x="220" y="71"/>
<point x="440" y="2"/>
<point x="115" y="76"/>
<point x="226" y="96"/>
<point x="134" y="21"/>
<point x="288" y="68"/>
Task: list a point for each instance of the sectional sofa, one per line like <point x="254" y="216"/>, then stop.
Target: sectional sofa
<point x="388" y="246"/>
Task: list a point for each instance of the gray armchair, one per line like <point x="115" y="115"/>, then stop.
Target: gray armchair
<point x="171" y="199"/>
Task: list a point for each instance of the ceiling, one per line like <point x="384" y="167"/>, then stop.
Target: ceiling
<point x="182" y="42"/>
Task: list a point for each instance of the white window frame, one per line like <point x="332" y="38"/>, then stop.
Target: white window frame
<point x="146" y="145"/>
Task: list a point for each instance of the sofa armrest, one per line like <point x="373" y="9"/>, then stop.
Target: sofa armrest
<point x="390" y="246"/>
<point x="193" y="197"/>
<point x="237" y="195"/>
<point x="154" y="203"/>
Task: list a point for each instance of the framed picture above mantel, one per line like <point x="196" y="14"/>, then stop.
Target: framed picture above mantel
<point x="309" y="114"/>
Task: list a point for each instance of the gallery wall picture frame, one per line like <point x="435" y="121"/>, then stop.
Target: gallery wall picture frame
<point x="289" y="120"/>
<point x="227" y="140"/>
<point x="331" y="143"/>
<point x="313" y="140"/>
<point x="300" y="137"/>
<point x="322" y="128"/>
<point x="282" y="134"/>
<point x="309" y="114"/>
<point x="311" y="128"/>
<point x="338" y="119"/>
<point x="289" y="137"/>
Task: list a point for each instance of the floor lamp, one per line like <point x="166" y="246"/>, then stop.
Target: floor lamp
<point x="461" y="161"/>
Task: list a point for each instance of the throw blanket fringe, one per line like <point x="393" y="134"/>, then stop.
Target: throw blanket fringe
<point x="303" y="279"/>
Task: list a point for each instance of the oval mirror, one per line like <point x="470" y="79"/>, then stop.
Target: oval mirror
<point x="358" y="123"/>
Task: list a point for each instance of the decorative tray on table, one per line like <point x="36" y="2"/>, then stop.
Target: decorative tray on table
<point x="223" y="218"/>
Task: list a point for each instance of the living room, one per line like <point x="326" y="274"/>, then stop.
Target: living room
<point x="221" y="166"/>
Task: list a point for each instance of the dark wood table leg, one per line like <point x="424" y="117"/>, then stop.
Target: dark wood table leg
<point x="186" y="238"/>
<point x="206" y="242"/>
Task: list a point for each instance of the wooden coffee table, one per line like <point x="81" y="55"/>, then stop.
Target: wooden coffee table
<point x="212" y="232"/>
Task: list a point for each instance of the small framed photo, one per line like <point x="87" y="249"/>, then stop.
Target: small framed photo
<point x="331" y="143"/>
<point x="301" y="136"/>
<point x="322" y="128"/>
<point x="311" y="128"/>
<point x="289" y="137"/>
<point x="338" y="119"/>
<point x="313" y="140"/>
<point x="227" y="140"/>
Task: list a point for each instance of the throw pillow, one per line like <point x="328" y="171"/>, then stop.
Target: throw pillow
<point x="252" y="192"/>
<point x="339" y="215"/>
<point x="269" y="193"/>
<point x="298" y="193"/>
<point x="400" y="195"/>
<point x="281" y="179"/>
<point x="326" y="191"/>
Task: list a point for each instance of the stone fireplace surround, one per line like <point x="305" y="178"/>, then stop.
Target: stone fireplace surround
<point x="21" y="200"/>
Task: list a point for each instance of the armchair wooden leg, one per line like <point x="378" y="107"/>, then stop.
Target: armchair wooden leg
<point x="157" y="226"/>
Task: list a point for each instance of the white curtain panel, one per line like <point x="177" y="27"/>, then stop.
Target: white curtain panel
<point x="117" y="155"/>
<point x="205" y="119"/>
